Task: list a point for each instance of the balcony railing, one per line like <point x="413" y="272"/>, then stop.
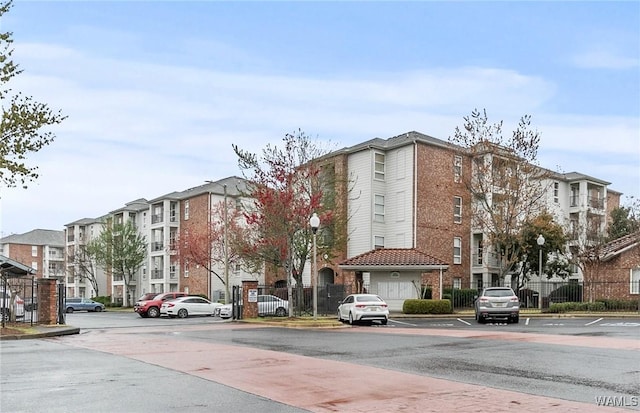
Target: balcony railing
<point x="155" y="218"/>
<point x="574" y="200"/>
<point x="487" y="259"/>
<point x="70" y="238"/>
<point x="596" y="202"/>
<point x="157" y="274"/>
<point x="157" y="246"/>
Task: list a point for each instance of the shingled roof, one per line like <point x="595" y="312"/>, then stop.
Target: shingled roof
<point x="393" y="259"/>
<point x="617" y="246"/>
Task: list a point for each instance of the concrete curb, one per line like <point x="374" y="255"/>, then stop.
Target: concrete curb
<point x="43" y="332"/>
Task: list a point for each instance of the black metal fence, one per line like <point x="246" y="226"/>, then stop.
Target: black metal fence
<point x="271" y="299"/>
<point x="541" y="295"/>
<point x="19" y="300"/>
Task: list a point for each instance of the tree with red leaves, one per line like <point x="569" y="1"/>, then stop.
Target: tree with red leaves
<point x="205" y="246"/>
<point x="287" y="185"/>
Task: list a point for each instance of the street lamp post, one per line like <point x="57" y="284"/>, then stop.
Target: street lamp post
<point x="314" y="221"/>
<point x="540" y="242"/>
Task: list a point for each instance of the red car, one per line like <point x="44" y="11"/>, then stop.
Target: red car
<point x="151" y="307"/>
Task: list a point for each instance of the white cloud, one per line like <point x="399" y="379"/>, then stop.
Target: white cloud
<point x="602" y="57"/>
<point x="142" y="130"/>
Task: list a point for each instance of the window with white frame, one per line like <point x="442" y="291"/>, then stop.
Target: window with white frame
<point x="378" y="208"/>
<point x="457" y="282"/>
<point x="378" y="166"/>
<point x="378" y="242"/>
<point x="457" y="168"/>
<point x="556" y="192"/>
<point x="186" y="270"/>
<point x="457" y="250"/>
<point x="457" y="209"/>
<point x="635" y="281"/>
<point x="186" y="209"/>
<point x="34" y="250"/>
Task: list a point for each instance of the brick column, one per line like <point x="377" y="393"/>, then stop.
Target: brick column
<point x="249" y="310"/>
<point x="47" y="301"/>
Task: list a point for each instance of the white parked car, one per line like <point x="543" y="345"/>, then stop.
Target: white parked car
<point x="224" y="311"/>
<point x="184" y="307"/>
<point x="272" y="305"/>
<point x="363" y="307"/>
<point x="5" y="305"/>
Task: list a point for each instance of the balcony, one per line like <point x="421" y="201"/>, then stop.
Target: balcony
<point x="157" y="246"/>
<point x="157" y="274"/>
<point x="157" y="218"/>
<point x="70" y="238"/>
<point x="481" y="260"/>
<point x="596" y="202"/>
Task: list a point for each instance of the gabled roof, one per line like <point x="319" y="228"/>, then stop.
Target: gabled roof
<point x="36" y="237"/>
<point x="616" y="247"/>
<point x="12" y="268"/>
<point x="393" y="259"/>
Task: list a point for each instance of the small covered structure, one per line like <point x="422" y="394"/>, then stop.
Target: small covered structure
<point x="396" y="274"/>
<point x="10" y="269"/>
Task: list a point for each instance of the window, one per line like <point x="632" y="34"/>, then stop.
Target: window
<point x="457" y="168"/>
<point x="186" y="270"/>
<point x="635" y="281"/>
<point x="457" y="209"/>
<point x="378" y="242"/>
<point x="378" y="208"/>
<point x="457" y="282"/>
<point x="457" y="250"/>
<point x="34" y="265"/>
<point x="34" y="250"/>
<point x="186" y="210"/>
<point x="378" y="168"/>
<point x="556" y="190"/>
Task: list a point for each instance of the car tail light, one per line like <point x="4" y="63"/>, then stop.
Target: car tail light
<point x="484" y="300"/>
<point x="360" y="305"/>
<point x="383" y="305"/>
<point x="514" y="299"/>
<point x="170" y="304"/>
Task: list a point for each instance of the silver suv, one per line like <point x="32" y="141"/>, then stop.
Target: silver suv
<point x="497" y="303"/>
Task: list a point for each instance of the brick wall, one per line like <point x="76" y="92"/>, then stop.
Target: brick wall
<point x="434" y="215"/>
<point x="611" y="279"/>
<point x="198" y="280"/>
<point x="22" y="254"/>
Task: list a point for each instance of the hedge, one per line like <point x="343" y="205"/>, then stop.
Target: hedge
<point x="418" y="306"/>
<point x="573" y="306"/>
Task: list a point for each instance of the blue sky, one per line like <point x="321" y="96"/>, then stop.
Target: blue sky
<point x="156" y="92"/>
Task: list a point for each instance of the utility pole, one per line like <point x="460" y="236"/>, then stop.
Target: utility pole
<point x="226" y="249"/>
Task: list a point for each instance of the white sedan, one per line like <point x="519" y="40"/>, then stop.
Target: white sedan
<point x="184" y="307"/>
<point x="363" y="307"/>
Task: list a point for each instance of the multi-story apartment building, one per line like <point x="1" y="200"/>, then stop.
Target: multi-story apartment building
<point x="83" y="277"/>
<point x="40" y="249"/>
<point x="408" y="193"/>
<point x="160" y="220"/>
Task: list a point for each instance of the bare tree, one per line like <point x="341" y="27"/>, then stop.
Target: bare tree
<point x="84" y="260"/>
<point x="506" y="183"/>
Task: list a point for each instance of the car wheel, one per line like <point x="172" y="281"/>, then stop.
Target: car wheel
<point x="515" y="319"/>
<point x="97" y="309"/>
<point x="281" y="312"/>
<point x="350" y="319"/>
<point x="182" y="313"/>
<point x="70" y="310"/>
<point x="384" y="322"/>
<point x="480" y="319"/>
<point x="153" y="312"/>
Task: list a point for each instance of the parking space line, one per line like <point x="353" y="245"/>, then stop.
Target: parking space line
<point x="464" y="322"/>
<point x="402" y="322"/>
<point x="526" y="323"/>
<point x="595" y="321"/>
